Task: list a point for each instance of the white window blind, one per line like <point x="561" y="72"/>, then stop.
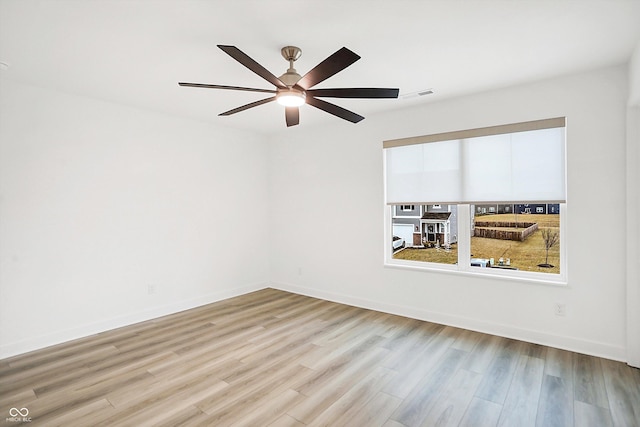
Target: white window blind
<point x="510" y="163"/>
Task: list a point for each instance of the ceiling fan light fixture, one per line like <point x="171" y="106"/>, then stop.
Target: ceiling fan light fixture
<point x="291" y="97"/>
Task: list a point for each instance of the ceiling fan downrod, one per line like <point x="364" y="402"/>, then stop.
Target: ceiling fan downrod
<point x="291" y="54"/>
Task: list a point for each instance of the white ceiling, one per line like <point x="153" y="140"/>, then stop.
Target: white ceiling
<point x="134" y="52"/>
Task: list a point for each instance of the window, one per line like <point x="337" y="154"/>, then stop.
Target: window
<point x="491" y="200"/>
<point x="407" y="207"/>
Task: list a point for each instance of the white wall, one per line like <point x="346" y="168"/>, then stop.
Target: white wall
<point x="633" y="207"/>
<point x="633" y="236"/>
<point x="333" y="175"/>
<point x="98" y="201"/>
<point x="634" y="77"/>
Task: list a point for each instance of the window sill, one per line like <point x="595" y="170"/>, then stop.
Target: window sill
<point x="482" y="272"/>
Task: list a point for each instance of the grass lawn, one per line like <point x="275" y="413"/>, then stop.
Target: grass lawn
<point x="429" y="255"/>
<point x="543" y="220"/>
<point x="524" y="255"/>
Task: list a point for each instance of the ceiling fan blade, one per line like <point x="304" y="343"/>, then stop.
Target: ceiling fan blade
<point x="207" y="86"/>
<point x="327" y="68"/>
<point x="245" y="60"/>
<point x="360" y="92"/>
<point x="246" y="107"/>
<point x="292" y="115"/>
<point x="334" y="109"/>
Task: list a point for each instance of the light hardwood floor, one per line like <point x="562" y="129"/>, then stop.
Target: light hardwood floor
<point x="272" y="358"/>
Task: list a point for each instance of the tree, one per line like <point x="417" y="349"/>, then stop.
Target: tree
<point x="550" y="238"/>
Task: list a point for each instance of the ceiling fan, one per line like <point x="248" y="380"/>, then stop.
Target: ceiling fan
<point x="293" y="90"/>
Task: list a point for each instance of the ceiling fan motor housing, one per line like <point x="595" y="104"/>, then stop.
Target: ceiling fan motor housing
<point x="290" y="78"/>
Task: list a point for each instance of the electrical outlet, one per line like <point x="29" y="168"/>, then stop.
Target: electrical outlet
<point x="560" y="309"/>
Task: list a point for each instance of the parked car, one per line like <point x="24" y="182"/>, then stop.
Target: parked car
<point x="398" y="243"/>
<point x="480" y="262"/>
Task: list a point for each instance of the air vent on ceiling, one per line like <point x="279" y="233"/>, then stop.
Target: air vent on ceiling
<point x="416" y="94"/>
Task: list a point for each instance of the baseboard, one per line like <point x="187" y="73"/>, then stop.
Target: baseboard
<point x="37" y="343"/>
<point x="508" y="331"/>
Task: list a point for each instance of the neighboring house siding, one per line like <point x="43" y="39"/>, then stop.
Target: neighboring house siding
<point x="531" y="208"/>
<point x="403" y="211"/>
<point x="520" y="208"/>
<point x="453" y="219"/>
<point x="553" y="208"/>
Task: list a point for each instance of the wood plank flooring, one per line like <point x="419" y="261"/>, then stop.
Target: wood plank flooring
<point x="272" y="358"/>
